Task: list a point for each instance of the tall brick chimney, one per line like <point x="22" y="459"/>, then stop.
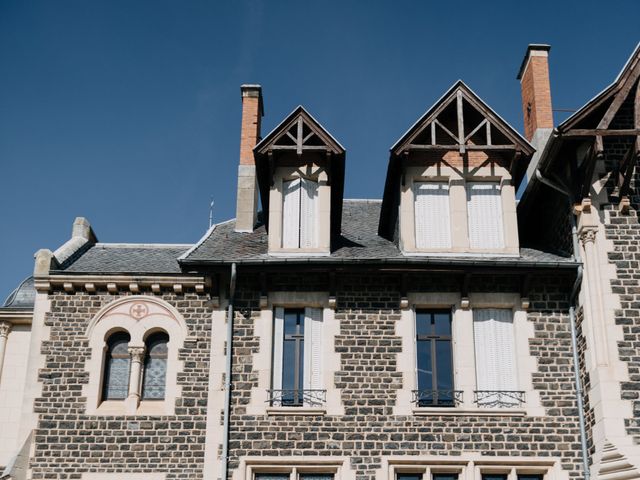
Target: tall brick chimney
<point x="536" y="94"/>
<point x="247" y="199"/>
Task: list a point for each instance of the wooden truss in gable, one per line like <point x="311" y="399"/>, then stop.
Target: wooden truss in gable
<point x="461" y="121"/>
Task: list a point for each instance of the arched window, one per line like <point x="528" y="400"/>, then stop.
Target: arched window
<point x="116" y="369"/>
<point x="155" y="366"/>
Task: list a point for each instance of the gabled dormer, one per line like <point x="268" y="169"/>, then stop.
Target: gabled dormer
<point x="450" y="186"/>
<point x="300" y="170"/>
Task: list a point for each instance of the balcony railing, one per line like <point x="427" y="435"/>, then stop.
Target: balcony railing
<point x="437" y="398"/>
<point x="297" y="398"/>
<point x="498" y="398"/>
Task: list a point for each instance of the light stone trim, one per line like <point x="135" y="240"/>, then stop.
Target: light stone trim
<point x="117" y="316"/>
<point x="276" y="200"/>
<point x="471" y="466"/>
<point x="263" y="359"/>
<point x="464" y="350"/>
<point x="458" y="208"/>
<point x="602" y="334"/>
<point x="120" y="476"/>
<point x="115" y="283"/>
<point x="339" y="466"/>
<point x="215" y="400"/>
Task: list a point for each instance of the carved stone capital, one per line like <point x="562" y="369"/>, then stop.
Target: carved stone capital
<point x="5" y="328"/>
<point x="137" y="353"/>
<point x="588" y="236"/>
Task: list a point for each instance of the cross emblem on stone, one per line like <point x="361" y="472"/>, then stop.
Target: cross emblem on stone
<point x="138" y="311"/>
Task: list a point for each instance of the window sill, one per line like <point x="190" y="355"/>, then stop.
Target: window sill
<point x="300" y="252"/>
<point x="119" y="408"/>
<point x="469" y="412"/>
<point x="317" y="411"/>
<point x="452" y="253"/>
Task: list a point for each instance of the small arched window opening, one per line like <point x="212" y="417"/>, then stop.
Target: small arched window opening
<point x="155" y="366"/>
<point x="117" y="367"/>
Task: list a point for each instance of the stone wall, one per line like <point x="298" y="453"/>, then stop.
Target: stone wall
<point x="368" y="310"/>
<point x="68" y="442"/>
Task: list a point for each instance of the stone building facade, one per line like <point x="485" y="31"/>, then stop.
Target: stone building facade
<point x="442" y="332"/>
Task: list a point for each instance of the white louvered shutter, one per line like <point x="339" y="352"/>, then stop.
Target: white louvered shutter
<point x="312" y="378"/>
<point x="433" y="229"/>
<point x="308" y="214"/>
<point x="495" y="351"/>
<point x="278" y="339"/>
<point x="484" y="213"/>
<point x="291" y="214"/>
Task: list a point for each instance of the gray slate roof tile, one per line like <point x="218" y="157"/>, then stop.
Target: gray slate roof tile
<point x="23" y="297"/>
<point x="118" y="258"/>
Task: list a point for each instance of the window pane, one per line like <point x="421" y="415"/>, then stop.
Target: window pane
<point x="293" y="319"/>
<point x="444" y="364"/>
<point x="288" y="365"/>
<point x="442" y="323"/>
<point x="155" y="372"/>
<point x="425" y="371"/>
<point x="116" y="378"/>
<point x="271" y="476"/>
<point x="408" y="476"/>
<point x="116" y="369"/>
<point x="316" y="476"/>
<point x="423" y="323"/>
<point x="445" y="476"/>
<point x="494" y="476"/>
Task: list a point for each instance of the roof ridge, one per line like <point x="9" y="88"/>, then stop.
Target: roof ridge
<point x="141" y="245"/>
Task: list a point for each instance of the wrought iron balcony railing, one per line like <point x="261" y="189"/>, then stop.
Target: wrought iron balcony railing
<point x="297" y="398"/>
<point x="498" y="398"/>
<point x="437" y="398"/>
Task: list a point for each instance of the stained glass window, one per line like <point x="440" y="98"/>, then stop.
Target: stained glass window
<point x="116" y="369"/>
<point x="155" y="367"/>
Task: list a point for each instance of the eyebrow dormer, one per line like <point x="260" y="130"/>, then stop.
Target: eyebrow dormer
<point x="301" y="179"/>
<point x="451" y="180"/>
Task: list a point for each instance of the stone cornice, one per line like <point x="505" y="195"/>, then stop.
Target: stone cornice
<point x="16" y="317"/>
<point x="116" y="283"/>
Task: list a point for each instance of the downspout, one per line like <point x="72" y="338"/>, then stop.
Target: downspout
<point x="572" y="321"/>
<point x="227" y="375"/>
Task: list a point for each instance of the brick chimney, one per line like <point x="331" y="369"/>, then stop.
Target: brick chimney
<point x="247" y="199"/>
<point x="536" y="94"/>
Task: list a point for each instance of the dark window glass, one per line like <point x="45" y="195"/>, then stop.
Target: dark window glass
<point x="155" y="366"/>
<point x="116" y="369"/>
<point x="293" y="357"/>
<point x="435" y="358"/>
<point x="445" y="476"/>
<point x="271" y="476"/>
<point x="408" y="476"/>
<point x="316" y="476"/>
<point x="494" y="476"/>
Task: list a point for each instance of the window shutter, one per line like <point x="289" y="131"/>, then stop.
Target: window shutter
<point x="291" y="214"/>
<point x="432" y="223"/>
<point x="484" y="212"/>
<point x="495" y="352"/>
<point x="308" y="214"/>
<point x="313" y="349"/>
<point x="278" y="338"/>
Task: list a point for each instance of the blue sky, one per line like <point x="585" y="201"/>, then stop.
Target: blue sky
<point x="128" y="113"/>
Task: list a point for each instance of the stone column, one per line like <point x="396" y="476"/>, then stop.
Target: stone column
<point x="593" y="279"/>
<point x="5" y="328"/>
<point x="133" y="399"/>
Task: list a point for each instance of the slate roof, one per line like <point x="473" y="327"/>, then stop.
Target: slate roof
<point x="128" y="258"/>
<point x="359" y="243"/>
<point x="23" y="297"/>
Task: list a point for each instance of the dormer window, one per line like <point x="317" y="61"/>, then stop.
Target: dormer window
<point x="301" y="178"/>
<point x="300" y="213"/>
<point x="450" y="184"/>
